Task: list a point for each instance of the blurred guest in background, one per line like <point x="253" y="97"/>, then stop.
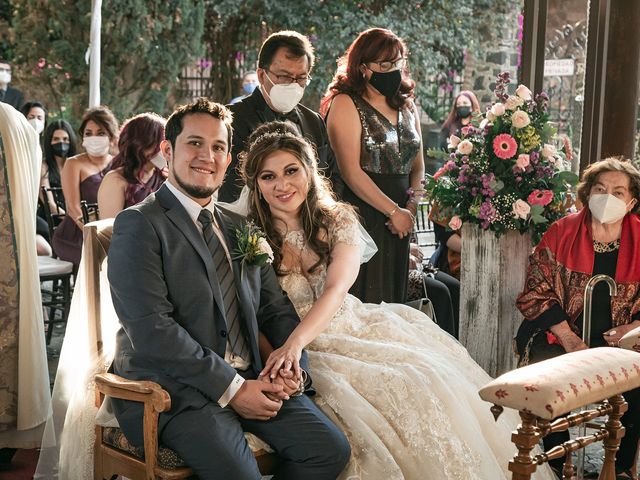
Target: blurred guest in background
<point x="81" y="178"/>
<point x="36" y="115"/>
<point x="249" y="84"/>
<point x="462" y="110"/>
<point x="137" y="169"/>
<point x="8" y="94"/>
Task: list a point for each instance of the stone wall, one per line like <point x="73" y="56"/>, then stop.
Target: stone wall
<point x="500" y="53"/>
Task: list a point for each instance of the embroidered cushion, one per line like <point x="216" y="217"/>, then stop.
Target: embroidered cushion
<point x="631" y="340"/>
<point x="556" y="386"/>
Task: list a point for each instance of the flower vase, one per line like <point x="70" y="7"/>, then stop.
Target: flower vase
<point x="492" y="274"/>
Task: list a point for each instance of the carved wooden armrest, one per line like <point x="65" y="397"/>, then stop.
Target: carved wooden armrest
<point x="136" y="390"/>
<point x="556" y="386"/>
<point x="155" y="400"/>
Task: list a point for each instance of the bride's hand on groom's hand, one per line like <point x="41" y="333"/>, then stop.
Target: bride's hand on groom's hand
<point x="289" y="381"/>
<point x="286" y="357"/>
<point x="258" y="400"/>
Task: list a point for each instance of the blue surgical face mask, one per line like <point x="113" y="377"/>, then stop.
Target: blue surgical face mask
<point x="248" y="88"/>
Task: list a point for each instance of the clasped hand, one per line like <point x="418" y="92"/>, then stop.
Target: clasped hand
<point x="401" y="222"/>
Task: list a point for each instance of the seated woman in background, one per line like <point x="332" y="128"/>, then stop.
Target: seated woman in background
<point x="60" y="143"/>
<point x="460" y="115"/>
<point x="442" y="290"/>
<point x="137" y="168"/>
<point x="36" y="115"/>
<point x="602" y="238"/>
<point x="403" y="390"/>
<point x="81" y="178"/>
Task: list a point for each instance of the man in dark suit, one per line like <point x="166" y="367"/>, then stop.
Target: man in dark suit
<point x="191" y="314"/>
<point x="8" y="94"/>
<point x="285" y="62"/>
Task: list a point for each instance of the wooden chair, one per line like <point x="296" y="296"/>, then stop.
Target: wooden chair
<point x="56" y="300"/>
<point x="113" y="455"/>
<point x="546" y="392"/>
<point x="90" y="211"/>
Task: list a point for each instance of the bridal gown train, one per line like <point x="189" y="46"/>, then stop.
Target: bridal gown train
<point x="404" y="391"/>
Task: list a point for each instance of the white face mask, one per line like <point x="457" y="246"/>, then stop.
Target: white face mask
<point x="606" y="208"/>
<point x="159" y="161"/>
<point x="284" y="98"/>
<point x="37" y="124"/>
<point x="97" y="146"/>
<point x="5" y="77"/>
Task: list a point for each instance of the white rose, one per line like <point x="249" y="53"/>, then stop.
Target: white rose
<point x="498" y="109"/>
<point x="521" y="209"/>
<point x="455" y="223"/>
<point x="513" y="102"/>
<point x="465" y="147"/>
<point x="548" y="150"/>
<point x="483" y="123"/>
<point x="453" y="141"/>
<point x="520" y="119"/>
<point x="523" y="92"/>
<point x="490" y="117"/>
<point x="265" y="248"/>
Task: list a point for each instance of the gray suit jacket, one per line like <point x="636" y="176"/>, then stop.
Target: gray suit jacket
<point x="167" y="297"/>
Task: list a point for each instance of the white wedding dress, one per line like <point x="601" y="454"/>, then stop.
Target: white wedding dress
<point x="404" y="391"/>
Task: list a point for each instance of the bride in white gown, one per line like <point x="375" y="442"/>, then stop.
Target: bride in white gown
<point x="403" y="390"/>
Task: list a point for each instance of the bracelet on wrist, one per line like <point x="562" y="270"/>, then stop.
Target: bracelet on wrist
<point x="393" y="210"/>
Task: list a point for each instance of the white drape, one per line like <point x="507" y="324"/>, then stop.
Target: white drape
<point x="23" y="159"/>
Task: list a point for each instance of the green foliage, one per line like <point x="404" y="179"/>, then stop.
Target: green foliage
<point x="437" y="32"/>
<point x="145" y="45"/>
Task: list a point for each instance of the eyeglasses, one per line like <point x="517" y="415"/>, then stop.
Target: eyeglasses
<point x="388" y="65"/>
<point x="303" y="81"/>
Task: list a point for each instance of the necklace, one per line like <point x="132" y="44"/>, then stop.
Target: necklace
<point x="601" y="247"/>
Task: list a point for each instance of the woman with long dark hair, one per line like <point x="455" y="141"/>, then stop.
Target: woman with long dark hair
<point x="59" y="144"/>
<point x="137" y="168"/>
<point x="460" y="115"/>
<point x="374" y="130"/>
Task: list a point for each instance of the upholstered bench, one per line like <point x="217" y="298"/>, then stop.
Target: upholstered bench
<point x="544" y="391"/>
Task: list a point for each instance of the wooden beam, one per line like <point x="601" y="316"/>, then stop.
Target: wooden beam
<point x="533" y="43"/>
<point x="611" y="80"/>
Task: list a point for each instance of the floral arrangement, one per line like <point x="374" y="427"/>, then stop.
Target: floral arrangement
<point x="505" y="172"/>
<point x="252" y="247"/>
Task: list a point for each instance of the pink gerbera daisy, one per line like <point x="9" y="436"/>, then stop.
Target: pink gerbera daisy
<point x="505" y="146"/>
<point x="540" y="197"/>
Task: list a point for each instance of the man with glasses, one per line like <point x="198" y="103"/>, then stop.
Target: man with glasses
<point x="8" y="94"/>
<point x="285" y="62"/>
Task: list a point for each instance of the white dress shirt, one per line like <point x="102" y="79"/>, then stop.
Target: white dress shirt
<point x="193" y="209"/>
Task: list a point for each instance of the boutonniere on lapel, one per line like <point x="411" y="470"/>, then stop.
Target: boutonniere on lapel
<point x="252" y="247"/>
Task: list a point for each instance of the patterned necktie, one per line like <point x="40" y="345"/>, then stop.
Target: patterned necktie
<point x="227" y="284"/>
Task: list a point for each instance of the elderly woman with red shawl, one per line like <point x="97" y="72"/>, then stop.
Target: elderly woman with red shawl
<point x="602" y="238"/>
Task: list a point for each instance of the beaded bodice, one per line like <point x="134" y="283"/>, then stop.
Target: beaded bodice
<point x="385" y="148"/>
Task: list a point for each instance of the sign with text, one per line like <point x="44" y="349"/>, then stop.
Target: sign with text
<point x="559" y="67"/>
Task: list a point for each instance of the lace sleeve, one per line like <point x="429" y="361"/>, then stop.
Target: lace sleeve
<point x="345" y="228"/>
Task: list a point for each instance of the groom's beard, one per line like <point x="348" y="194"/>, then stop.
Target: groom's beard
<point x="194" y="190"/>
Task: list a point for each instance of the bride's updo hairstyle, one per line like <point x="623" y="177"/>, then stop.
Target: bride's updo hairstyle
<point x="320" y="207"/>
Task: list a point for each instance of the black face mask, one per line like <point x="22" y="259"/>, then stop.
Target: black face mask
<point x="60" y="149"/>
<point x="463" y="112"/>
<point x="386" y="83"/>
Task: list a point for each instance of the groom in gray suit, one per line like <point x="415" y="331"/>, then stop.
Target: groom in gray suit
<point x="191" y="315"/>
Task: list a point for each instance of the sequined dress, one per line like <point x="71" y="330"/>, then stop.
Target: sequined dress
<point x="386" y="155"/>
<point x="403" y="390"/>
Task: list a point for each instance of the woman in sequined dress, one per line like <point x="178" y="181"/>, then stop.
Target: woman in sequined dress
<point x="374" y="131"/>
